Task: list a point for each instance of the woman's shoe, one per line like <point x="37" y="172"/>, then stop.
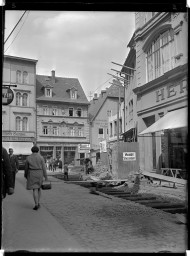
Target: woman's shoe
<point x="35" y="207"/>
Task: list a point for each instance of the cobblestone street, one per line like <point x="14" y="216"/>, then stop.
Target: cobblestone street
<point x="72" y="219"/>
<point x="101" y="224"/>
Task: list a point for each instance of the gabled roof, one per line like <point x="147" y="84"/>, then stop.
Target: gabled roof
<point x="111" y="92"/>
<point x="60" y="90"/>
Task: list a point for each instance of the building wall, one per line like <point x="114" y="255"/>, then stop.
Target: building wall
<point x="10" y="112"/>
<point x="101" y="121"/>
<point x="165" y="93"/>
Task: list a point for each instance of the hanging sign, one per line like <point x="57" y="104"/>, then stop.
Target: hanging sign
<point x="7" y="95"/>
<point x="129" y="156"/>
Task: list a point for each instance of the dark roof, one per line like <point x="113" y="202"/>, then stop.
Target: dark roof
<point x="60" y="89"/>
<point x="111" y="92"/>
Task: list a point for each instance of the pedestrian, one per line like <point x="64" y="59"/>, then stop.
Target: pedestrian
<point x="66" y="169"/>
<point x="35" y="170"/>
<point x="50" y="164"/>
<point x="54" y="165"/>
<point x="6" y="175"/>
<point x="14" y="164"/>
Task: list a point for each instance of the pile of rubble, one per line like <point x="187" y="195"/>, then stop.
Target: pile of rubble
<point x="100" y="172"/>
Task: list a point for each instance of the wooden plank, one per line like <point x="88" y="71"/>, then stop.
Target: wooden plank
<point x="164" y="178"/>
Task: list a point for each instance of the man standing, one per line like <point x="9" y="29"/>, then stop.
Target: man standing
<point x="14" y="164"/>
<point x="6" y="176"/>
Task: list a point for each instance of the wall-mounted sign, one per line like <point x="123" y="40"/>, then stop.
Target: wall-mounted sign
<point x="129" y="156"/>
<point x="7" y="95"/>
<point x="84" y="148"/>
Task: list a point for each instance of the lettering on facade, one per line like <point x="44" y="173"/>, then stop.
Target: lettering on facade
<point x="129" y="156"/>
<point x="16" y="138"/>
<point x="171" y="91"/>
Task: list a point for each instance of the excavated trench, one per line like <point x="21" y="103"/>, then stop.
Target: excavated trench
<point x="148" y="200"/>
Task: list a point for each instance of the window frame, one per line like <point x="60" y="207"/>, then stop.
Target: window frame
<point x="72" y="111"/>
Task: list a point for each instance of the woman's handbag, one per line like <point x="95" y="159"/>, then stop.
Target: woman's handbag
<point x="46" y="185"/>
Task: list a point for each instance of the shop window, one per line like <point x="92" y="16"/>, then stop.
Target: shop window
<point x="70" y="111"/>
<point x="160" y="55"/>
<point x="115" y="128"/>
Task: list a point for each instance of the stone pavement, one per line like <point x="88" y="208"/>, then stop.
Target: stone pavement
<point x="96" y="223"/>
<point x="29" y="230"/>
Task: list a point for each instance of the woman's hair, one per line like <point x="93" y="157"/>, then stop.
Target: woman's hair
<point x="34" y="149"/>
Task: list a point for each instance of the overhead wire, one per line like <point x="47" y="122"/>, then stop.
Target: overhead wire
<point x="18" y="31"/>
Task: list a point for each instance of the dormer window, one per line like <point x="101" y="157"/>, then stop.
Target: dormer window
<point x="73" y="93"/>
<point x="48" y="92"/>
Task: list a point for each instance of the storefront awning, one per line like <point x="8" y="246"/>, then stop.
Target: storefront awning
<point x="172" y="120"/>
<point x="23" y="148"/>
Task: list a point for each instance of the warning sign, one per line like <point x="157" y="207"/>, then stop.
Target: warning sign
<point x="129" y="156"/>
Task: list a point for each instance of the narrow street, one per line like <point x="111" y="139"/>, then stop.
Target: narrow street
<point x="76" y="220"/>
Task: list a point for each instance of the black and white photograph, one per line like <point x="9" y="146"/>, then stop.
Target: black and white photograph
<point x="94" y="128"/>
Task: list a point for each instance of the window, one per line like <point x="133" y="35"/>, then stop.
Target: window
<point x="48" y="92"/>
<point x="72" y="131"/>
<point x="45" y="110"/>
<point x="70" y="111"/>
<point x="18" y="76"/>
<point x="130" y="110"/>
<point x="18" y="99"/>
<point x="25" y="99"/>
<point x="115" y="128"/>
<point x="80" y="132"/>
<point x="101" y="133"/>
<point x="25" y="77"/>
<point x="160" y="55"/>
<point x="111" y="131"/>
<point x="73" y="94"/>
<point x="54" y="111"/>
<point x="45" y="130"/>
<point x="25" y="124"/>
<point x="79" y="112"/>
<point x="55" y="130"/>
<point x="18" y="123"/>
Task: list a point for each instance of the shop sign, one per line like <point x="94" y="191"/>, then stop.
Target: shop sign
<point x="20" y="134"/>
<point x="16" y="138"/>
<point x="84" y="148"/>
<point x="7" y="95"/>
<point x="129" y="156"/>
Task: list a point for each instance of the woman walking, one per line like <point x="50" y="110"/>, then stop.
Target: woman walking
<point x="35" y="170"/>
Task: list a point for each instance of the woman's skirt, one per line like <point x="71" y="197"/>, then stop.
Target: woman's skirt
<point x="34" y="179"/>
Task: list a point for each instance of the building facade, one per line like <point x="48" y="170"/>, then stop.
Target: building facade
<point x="62" y="118"/>
<point x="19" y="117"/>
<point x="101" y="108"/>
<point x="161" y="77"/>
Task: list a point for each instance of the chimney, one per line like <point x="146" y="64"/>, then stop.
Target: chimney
<point x="103" y="92"/>
<point x="95" y="97"/>
<point x="53" y="76"/>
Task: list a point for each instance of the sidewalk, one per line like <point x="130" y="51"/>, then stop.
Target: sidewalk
<point x="26" y="229"/>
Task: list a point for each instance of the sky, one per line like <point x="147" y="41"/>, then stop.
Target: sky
<point x="76" y="44"/>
